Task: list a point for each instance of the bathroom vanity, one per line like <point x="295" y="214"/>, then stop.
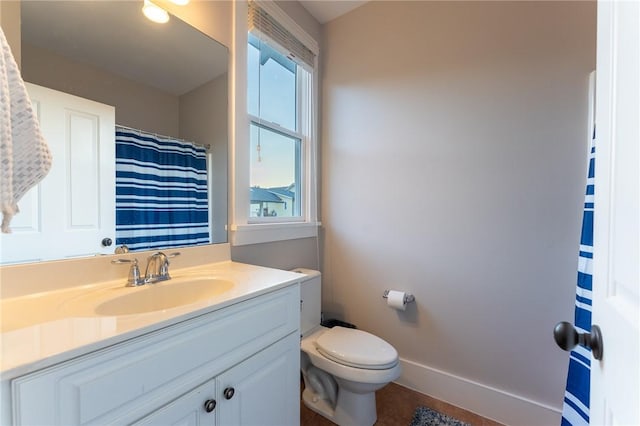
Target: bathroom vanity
<point x="229" y="359"/>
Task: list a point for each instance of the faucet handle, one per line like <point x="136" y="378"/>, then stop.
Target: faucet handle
<point x="164" y="267"/>
<point x="134" y="278"/>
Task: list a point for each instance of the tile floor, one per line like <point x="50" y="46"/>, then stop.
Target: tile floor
<point x="396" y="405"/>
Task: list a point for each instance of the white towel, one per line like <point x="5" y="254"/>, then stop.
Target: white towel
<point x="25" y="158"/>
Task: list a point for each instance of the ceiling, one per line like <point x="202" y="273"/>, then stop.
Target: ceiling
<point x="326" y="10"/>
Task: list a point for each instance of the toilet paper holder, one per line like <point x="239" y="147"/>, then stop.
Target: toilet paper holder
<point x="407" y="297"/>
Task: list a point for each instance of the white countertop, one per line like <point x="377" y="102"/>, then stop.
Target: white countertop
<point x="40" y="329"/>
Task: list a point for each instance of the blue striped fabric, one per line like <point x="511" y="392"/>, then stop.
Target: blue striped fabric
<point x="161" y="191"/>
<point x="575" y="410"/>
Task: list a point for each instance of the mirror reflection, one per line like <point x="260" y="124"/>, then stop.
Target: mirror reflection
<point x="97" y="67"/>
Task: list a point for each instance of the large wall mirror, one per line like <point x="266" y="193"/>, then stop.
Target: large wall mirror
<point x="166" y="79"/>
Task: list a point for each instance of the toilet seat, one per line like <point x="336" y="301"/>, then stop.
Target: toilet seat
<point x="356" y="348"/>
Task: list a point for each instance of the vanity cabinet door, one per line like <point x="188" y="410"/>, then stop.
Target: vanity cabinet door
<point x="263" y="390"/>
<point x="196" y="408"/>
<point x="260" y="391"/>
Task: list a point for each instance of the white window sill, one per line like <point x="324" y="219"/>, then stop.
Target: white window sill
<point x="256" y="233"/>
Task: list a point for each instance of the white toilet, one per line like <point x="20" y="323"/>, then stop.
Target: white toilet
<point x="341" y="367"/>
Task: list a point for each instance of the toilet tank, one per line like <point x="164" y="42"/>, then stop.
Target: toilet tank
<point x="310" y="298"/>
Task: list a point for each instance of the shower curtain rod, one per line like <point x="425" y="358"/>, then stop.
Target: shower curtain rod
<point x="204" y="145"/>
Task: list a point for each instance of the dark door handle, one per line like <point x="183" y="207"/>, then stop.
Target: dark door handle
<point x="209" y="405"/>
<point x="568" y="338"/>
<point x="229" y="392"/>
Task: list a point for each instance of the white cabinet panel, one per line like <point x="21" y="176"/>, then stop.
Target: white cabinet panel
<point x="260" y="391"/>
<point x="266" y="388"/>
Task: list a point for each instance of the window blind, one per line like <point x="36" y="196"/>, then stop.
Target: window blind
<point x="264" y="25"/>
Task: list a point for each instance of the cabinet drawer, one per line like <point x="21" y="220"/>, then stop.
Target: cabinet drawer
<point x="124" y="382"/>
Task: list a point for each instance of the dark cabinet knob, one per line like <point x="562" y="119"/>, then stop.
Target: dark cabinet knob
<point x="209" y="405"/>
<point x="229" y="392"/>
<point x="106" y="242"/>
<point x="568" y="338"/>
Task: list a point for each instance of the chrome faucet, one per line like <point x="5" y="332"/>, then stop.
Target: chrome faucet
<point x="158" y="267"/>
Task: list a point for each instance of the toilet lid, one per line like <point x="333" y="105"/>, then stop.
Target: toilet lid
<point x="356" y="348"/>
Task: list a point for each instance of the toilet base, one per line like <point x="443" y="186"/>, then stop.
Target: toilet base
<point x="355" y="409"/>
<point x="320" y="406"/>
<point x="352" y="409"/>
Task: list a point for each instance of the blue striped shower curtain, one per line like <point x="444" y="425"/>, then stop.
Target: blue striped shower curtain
<point x="161" y="191"/>
<point x="575" y="410"/>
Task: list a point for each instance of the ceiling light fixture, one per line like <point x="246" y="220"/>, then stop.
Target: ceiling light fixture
<point x="180" y="2"/>
<point x="155" y="13"/>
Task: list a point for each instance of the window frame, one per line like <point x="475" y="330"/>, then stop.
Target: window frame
<point x="303" y="97"/>
<point x="245" y="229"/>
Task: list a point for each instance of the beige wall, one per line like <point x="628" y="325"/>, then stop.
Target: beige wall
<point x="10" y="23"/>
<point x="454" y="162"/>
<point x="287" y="255"/>
<point x="213" y="18"/>
<point x="302" y="17"/>
<point x="203" y="118"/>
<point x="137" y="105"/>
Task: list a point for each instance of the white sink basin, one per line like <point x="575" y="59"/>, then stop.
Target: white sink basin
<point x="120" y="300"/>
<point x="164" y="295"/>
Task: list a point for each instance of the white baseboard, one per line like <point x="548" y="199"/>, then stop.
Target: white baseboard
<point x="486" y="401"/>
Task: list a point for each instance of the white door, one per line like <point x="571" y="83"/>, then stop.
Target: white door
<point x="264" y="389"/>
<point x="73" y="208"/>
<point x="615" y="381"/>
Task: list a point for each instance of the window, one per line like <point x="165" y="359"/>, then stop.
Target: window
<point x="274" y="135"/>
<point x="279" y="109"/>
<point x="274" y="192"/>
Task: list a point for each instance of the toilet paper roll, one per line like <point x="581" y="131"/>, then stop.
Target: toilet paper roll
<point x="395" y="299"/>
